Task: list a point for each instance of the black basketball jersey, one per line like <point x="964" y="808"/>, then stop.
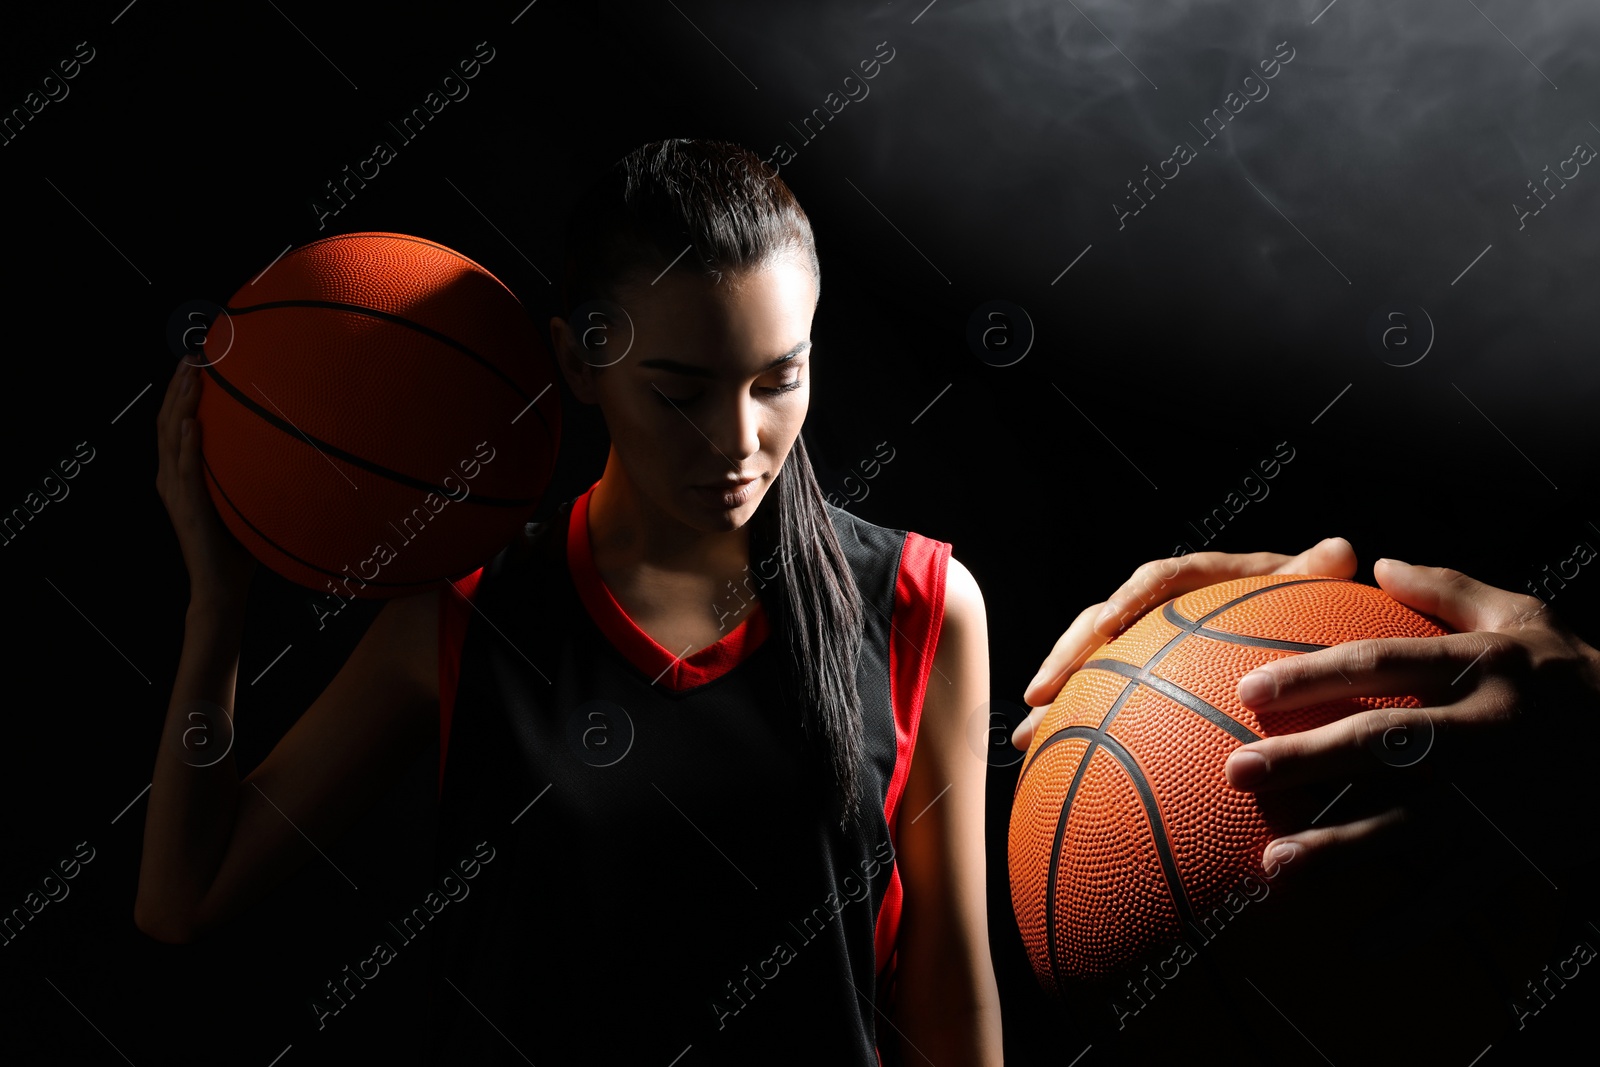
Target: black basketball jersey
<point x="656" y="875"/>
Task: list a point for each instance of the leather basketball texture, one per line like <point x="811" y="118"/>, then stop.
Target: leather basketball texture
<point x="379" y="412"/>
<point x="1123" y="826"/>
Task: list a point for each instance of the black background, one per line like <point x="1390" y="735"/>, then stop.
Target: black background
<point x="1230" y="315"/>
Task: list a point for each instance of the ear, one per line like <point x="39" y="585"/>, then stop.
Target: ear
<point x="570" y="357"/>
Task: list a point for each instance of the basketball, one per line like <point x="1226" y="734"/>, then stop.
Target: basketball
<point x="379" y="413"/>
<point x="1125" y="834"/>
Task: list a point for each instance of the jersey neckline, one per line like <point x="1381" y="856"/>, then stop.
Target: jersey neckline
<point x="637" y="647"/>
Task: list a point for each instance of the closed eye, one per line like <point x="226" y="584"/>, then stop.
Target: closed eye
<point x="681" y="402"/>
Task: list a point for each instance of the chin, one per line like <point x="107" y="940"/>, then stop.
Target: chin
<point x="733" y="518"/>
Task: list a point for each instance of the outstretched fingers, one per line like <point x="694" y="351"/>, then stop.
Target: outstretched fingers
<point x="1355" y="745"/>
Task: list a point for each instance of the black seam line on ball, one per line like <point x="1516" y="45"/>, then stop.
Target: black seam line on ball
<point x="1095" y="734"/>
<point x="1178" y="695"/>
<point x="1067" y="731"/>
<point x="1055" y="844"/>
<point x="1158" y="833"/>
<point x="1236" y="601"/>
<point x="1158" y="829"/>
<point x="355" y="460"/>
<point x="1111" y="713"/>
<point x="303" y="562"/>
<point x="386" y="316"/>
<point x="1186" y="626"/>
<point x="1191" y="626"/>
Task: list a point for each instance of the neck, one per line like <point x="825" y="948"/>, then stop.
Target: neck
<point x="629" y="534"/>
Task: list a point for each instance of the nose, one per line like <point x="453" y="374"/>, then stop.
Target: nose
<point x="737" y="434"/>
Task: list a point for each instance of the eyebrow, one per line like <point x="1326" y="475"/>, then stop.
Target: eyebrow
<point x="692" y="370"/>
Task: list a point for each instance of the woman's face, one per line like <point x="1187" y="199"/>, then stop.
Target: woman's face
<point x="712" y="391"/>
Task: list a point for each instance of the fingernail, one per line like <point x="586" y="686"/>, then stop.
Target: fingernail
<point x="1387" y="559"/>
<point x="1036" y="680"/>
<point x="183" y="388"/>
<point x="1107" y="613"/>
<point x="1257" y="687"/>
<point x="1245" y="769"/>
<point x="1281" y="853"/>
<point x="187" y="423"/>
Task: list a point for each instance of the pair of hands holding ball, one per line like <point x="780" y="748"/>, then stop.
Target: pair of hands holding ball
<point x="1511" y="682"/>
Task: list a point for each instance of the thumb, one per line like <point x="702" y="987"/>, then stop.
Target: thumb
<point x="1332" y="556"/>
<point x="1022" y="736"/>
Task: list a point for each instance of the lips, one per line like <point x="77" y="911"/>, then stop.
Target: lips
<point x="727" y="486"/>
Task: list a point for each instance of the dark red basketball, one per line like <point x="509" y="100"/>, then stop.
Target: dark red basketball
<point x="379" y="413"/>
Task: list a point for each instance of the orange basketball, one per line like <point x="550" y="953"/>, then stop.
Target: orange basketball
<point x="379" y="413"/>
<point x="1124" y="831"/>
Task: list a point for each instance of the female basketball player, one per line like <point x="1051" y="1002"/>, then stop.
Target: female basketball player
<point x="742" y="833"/>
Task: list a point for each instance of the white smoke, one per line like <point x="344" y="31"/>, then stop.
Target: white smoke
<point x="1395" y="144"/>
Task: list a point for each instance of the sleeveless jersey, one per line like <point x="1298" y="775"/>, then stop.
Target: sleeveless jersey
<point x="646" y="867"/>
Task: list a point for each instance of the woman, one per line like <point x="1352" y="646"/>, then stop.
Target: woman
<point x="675" y="815"/>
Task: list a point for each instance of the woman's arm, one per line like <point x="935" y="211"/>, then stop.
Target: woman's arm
<point x="213" y="843"/>
<point x="948" y="1007"/>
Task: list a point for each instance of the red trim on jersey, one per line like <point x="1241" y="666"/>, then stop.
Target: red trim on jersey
<point x="638" y="647"/>
<point x="917" y="618"/>
<point x="455" y="610"/>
